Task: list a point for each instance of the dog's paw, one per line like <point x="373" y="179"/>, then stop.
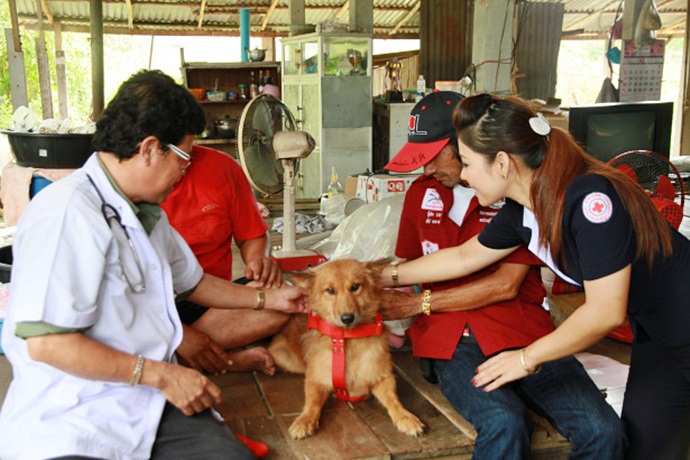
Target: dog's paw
<point x="409" y="424"/>
<point x="303" y="427"/>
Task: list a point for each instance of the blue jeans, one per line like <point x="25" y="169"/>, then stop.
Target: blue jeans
<point x="562" y="393"/>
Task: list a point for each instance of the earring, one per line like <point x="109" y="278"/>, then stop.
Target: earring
<point x="503" y="175"/>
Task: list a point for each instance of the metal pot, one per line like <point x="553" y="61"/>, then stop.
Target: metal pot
<point x="256" y="55"/>
<point x="224" y="127"/>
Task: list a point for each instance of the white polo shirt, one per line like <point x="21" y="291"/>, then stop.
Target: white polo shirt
<point x="67" y="272"/>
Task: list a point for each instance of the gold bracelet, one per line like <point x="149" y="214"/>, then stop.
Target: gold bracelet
<point x="426" y="302"/>
<point x="260" y="298"/>
<point x="394" y="275"/>
<point x="524" y="364"/>
<point x="136" y="375"/>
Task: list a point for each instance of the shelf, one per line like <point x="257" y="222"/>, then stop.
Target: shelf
<point x="238" y="102"/>
<point x="215" y="141"/>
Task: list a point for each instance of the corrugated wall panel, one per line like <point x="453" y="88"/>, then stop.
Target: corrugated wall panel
<point x="539" y="28"/>
<point x="445" y="39"/>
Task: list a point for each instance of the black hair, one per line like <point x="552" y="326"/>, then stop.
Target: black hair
<point x="149" y="103"/>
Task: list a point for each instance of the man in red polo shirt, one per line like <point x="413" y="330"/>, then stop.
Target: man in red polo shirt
<point x="210" y="208"/>
<point x="460" y="323"/>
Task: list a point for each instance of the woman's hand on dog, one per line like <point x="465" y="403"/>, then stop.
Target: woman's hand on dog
<point x="288" y="299"/>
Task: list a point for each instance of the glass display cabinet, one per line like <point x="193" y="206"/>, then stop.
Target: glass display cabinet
<point x="327" y="85"/>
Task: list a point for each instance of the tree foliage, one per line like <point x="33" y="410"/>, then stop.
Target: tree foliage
<point x="77" y="48"/>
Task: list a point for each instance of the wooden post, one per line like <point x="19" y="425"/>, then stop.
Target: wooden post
<point x="362" y="16"/>
<point x="685" y="95"/>
<point x="61" y="73"/>
<point x="43" y="67"/>
<point x="15" y="59"/>
<point x="15" y="26"/>
<point x="296" y="16"/>
<point x="97" y="72"/>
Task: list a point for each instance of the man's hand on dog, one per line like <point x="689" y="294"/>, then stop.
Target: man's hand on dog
<point x="398" y="305"/>
<point x="288" y="299"/>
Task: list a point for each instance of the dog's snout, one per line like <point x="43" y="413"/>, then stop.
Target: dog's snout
<point x="347" y="318"/>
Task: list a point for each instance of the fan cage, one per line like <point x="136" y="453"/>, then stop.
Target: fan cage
<point x="260" y="120"/>
<point x="648" y="168"/>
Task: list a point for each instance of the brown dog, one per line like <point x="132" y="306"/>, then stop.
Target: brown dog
<point x="344" y="299"/>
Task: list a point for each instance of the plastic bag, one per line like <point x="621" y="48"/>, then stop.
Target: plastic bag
<point x="369" y="233"/>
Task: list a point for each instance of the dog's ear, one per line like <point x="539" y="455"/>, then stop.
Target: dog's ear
<point x="376" y="267"/>
<point x="305" y="279"/>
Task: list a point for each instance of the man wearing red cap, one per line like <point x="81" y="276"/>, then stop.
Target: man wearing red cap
<point x="460" y="323"/>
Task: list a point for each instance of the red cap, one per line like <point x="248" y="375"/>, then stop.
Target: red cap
<point x="429" y="130"/>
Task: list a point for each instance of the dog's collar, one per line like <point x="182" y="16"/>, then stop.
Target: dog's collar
<point x="338" y="336"/>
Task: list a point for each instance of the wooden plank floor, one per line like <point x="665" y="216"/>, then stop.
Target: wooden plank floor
<point x="263" y="407"/>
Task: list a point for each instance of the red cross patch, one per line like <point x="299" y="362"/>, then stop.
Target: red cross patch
<point x="597" y="207"/>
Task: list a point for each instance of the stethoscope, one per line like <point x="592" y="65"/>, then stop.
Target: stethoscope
<point x="136" y="287"/>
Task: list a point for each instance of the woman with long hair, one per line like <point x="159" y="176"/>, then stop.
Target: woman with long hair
<point x="594" y="227"/>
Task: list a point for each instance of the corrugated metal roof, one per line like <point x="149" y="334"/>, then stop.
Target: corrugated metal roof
<point x="392" y="18"/>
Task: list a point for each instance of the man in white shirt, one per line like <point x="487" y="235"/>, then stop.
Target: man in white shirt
<point x="92" y="327"/>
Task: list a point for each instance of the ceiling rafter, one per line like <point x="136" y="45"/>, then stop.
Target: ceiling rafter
<point x="130" y="14"/>
<point x="46" y="11"/>
<point x="268" y="14"/>
<point x="343" y="9"/>
<point x="407" y="17"/>
<point x="201" y="14"/>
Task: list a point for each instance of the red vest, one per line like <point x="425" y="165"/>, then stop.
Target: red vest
<point x="425" y="227"/>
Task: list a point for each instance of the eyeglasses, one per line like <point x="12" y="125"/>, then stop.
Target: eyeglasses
<point x="131" y="265"/>
<point x="182" y="154"/>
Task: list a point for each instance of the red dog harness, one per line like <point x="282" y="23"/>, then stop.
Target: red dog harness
<point x="338" y="336"/>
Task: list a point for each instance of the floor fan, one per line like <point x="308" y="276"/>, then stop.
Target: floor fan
<point x="269" y="147"/>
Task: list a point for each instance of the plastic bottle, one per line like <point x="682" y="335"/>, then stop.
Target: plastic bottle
<point x="253" y="89"/>
<point x="334" y="187"/>
<point x="242" y="91"/>
<point x="421" y="88"/>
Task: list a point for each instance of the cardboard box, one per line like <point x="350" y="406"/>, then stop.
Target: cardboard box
<point x="379" y="186"/>
<point x="351" y="185"/>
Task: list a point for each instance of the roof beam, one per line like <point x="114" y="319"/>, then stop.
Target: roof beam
<point x="579" y="23"/>
<point x="407" y="17"/>
<point x="343" y="10"/>
<point x="201" y="14"/>
<point x="15" y="26"/>
<point x="130" y="14"/>
<point x="268" y="14"/>
<point x="46" y="10"/>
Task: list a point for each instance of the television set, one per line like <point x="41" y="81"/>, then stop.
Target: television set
<point x="607" y="130"/>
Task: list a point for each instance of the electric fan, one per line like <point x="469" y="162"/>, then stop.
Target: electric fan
<point x="659" y="178"/>
<point x="664" y="185"/>
<point x="269" y="147"/>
